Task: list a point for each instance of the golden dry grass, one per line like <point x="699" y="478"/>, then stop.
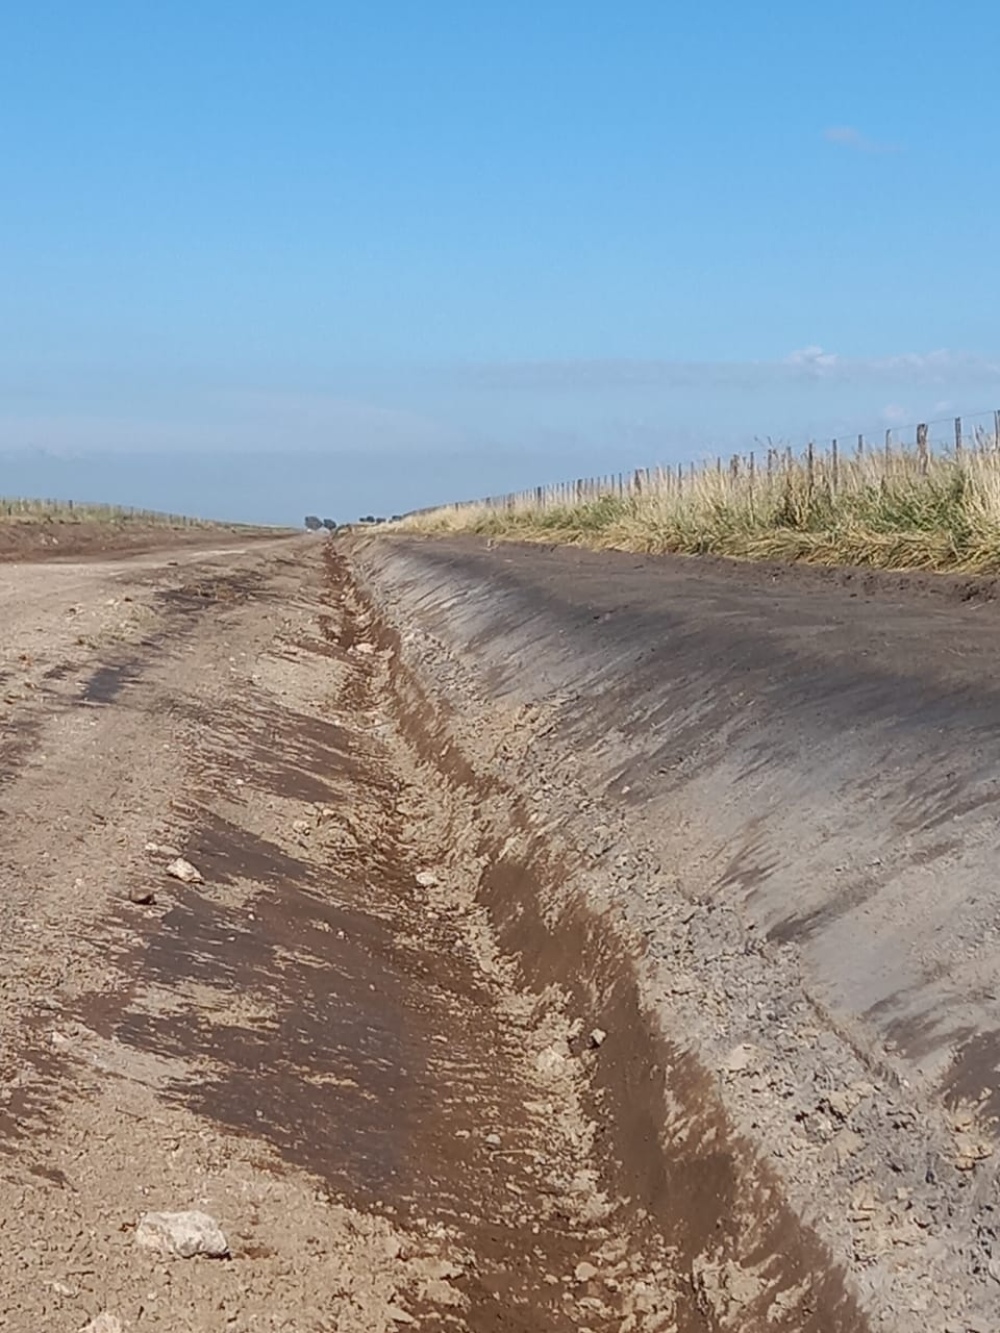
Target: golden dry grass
<point x="893" y="511"/>
<point x="17" y="510"/>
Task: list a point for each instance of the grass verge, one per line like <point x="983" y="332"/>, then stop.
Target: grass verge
<point x="891" y="511"/>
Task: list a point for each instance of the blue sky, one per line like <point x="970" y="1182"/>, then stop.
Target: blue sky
<point x="399" y="252"/>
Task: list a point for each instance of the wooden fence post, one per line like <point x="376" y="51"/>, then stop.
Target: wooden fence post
<point x="888" y="443"/>
<point x="810" y="466"/>
<point x="922" y="447"/>
<point x="958" y="437"/>
<point x="834" y="467"/>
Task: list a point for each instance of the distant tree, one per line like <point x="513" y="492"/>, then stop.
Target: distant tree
<point x="330" y="524"/>
<point x="397" y="518"/>
<point x="313" y="523"/>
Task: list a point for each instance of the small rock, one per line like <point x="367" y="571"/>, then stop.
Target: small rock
<point x="493" y="1140"/>
<point x="427" y="879"/>
<point x="185" y="871"/>
<point x="301" y="826"/>
<point x="845" y="1145"/>
<point x="597" y="1039"/>
<point x="182" y="1234"/>
<point x="969" y="1151"/>
<point x="741" y="1058"/>
<point x="162" y="850"/>
<point x="550" y="1061"/>
<point x="363" y="649"/>
<point x="139" y="894"/>
<point x="105" y="1323"/>
<point x="584" y="1271"/>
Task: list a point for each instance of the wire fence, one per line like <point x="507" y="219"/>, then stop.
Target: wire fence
<point x="830" y="463"/>
<point x="70" y="511"/>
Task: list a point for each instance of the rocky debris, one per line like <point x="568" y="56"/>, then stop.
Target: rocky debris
<point x="185" y="871"/>
<point x="551" y="1060"/>
<point x="427" y="879"/>
<point x="970" y="1150"/>
<point x="162" y="851"/>
<point x="105" y="1323"/>
<point x="301" y="826"/>
<point x="141" y="894"/>
<point x="183" y="1235"/>
<point x="597" y="1039"/>
<point x="363" y="649"/>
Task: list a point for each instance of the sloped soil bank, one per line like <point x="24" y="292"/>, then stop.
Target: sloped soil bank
<point x="739" y="1256"/>
<point x="747" y="819"/>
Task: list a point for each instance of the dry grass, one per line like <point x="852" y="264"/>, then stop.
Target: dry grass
<point x="896" y="511"/>
<point x="58" y="511"/>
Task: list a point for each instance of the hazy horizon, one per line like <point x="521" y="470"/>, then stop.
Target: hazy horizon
<point x="450" y="251"/>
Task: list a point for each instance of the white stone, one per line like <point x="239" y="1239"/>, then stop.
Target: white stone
<point x="185" y="871"/>
<point x="182" y="1234"/>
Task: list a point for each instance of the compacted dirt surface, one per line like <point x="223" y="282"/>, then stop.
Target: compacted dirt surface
<point x="319" y="1042"/>
<point x="25" y="538"/>
<point x="496" y="939"/>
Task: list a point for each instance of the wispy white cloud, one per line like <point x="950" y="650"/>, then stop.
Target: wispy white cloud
<point x="894" y="414"/>
<point x="846" y="136"/>
<point x="813" y="358"/>
<point x="802" y="365"/>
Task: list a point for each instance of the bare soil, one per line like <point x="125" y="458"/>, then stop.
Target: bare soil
<point x="60" y="539"/>
<point x="781" y="784"/>
<point x="324" y="1045"/>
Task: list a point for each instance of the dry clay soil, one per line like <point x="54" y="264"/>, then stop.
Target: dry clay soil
<point x="320" y="1044"/>
<point x="583" y="942"/>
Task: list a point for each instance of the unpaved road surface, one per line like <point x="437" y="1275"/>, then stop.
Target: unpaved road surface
<point x="582" y="942"/>
<point x="321" y="1045"/>
<point x="27" y="538"/>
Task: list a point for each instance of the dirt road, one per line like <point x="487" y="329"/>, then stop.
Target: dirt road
<point x="321" y="1045"/>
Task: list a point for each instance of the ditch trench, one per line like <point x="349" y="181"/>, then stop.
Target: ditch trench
<point x="393" y="986"/>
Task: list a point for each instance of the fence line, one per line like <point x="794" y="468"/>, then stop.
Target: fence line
<point x="827" y="465"/>
<point x="75" y="510"/>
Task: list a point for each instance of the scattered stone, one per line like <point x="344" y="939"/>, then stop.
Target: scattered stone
<point x="845" y="1145"/>
<point x="493" y="1140"/>
<point x="846" y="1100"/>
<point x="597" y="1039"/>
<point x="741" y="1058"/>
<point x="185" y="871"/>
<point x="550" y="1061"/>
<point x="970" y="1151"/>
<point x="427" y="879"/>
<point x="584" y="1271"/>
<point x="363" y="649"/>
<point x="301" y="826"/>
<point x="105" y="1323"/>
<point x="140" y="894"/>
<point x="184" y="1234"/>
<point x="162" y="850"/>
